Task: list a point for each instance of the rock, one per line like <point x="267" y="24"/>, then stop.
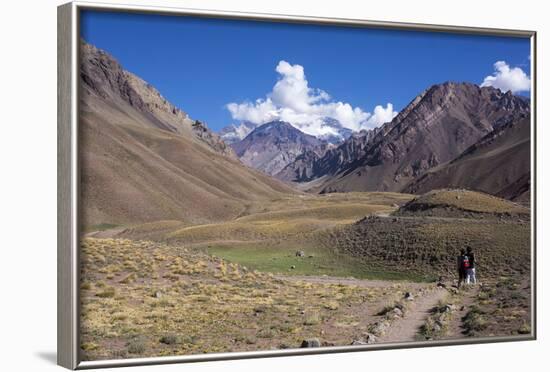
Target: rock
<point x="158" y="294"/>
<point x="409" y="296"/>
<point x="449" y="307"/>
<point x="380" y="328"/>
<point x="396" y="313"/>
<point x="311" y="342"/>
<point x="300" y="254"/>
<point x="293" y="267"/>
<point x="358" y="342"/>
<point x="369" y="338"/>
<point x="395" y="205"/>
<point x="441" y="285"/>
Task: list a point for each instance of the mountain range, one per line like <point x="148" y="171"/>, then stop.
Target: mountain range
<point x="143" y="159"/>
<point x="436" y="141"/>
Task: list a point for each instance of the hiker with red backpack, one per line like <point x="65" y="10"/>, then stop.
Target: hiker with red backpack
<point x="471" y="270"/>
<point x="463" y="264"/>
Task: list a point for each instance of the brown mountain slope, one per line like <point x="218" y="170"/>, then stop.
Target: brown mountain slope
<point x="142" y="159"/>
<point x="498" y="164"/>
<point x="434" y="128"/>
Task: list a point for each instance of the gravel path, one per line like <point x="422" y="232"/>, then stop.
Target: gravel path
<point x="366" y="283"/>
<point x="406" y="328"/>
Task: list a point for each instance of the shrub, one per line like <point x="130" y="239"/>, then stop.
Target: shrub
<point x="129" y="279"/>
<point x="475" y="320"/>
<point x="525" y="329"/>
<point x="266" y="333"/>
<point x="312" y="319"/>
<point x="87" y="346"/>
<point x="137" y="346"/>
<point x="332" y="305"/>
<point x="107" y="292"/>
<point x="170" y="339"/>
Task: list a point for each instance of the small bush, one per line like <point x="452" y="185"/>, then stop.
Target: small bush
<point x="170" y="339"/>
<point x="129" y="279"/>
<point x="137" y="346"/>
<point x="475" y="320"/>
<point x="332" y="305"/>
<point x="312" y="319"/>
<point x="88" y="346"/>
<point x="266" y="333"/>
<point x="525" y="329"/>
<point x="107" y="292"/>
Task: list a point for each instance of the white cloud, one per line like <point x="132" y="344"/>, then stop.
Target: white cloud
<point x="292" y="100"/>
<point x="381" y="115"/>
<point x="506" y="78"/>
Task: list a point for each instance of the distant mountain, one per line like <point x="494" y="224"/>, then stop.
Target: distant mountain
<point x="274" y="145"/>
<point x="143" y="159"/>
<point x="334" y="131"/>
<point x="236" y="132"/>
<point x="311" y="164"/>
<point x="435" y="128"/>
<point x="498" y="164"/>
<point x="331" y="131"/>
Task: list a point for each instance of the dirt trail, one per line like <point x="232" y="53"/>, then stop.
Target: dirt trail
<point x="105" y="234"/>
<point x="406" y="328"/>
<point x="365" y="283"/>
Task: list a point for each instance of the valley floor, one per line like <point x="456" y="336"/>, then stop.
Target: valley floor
<point x="297" y="269"/>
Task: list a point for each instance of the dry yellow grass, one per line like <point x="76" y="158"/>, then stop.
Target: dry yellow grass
<point x="167" y="300"/>
<point x="292" y="217"/>
<point x="470" y="201"/>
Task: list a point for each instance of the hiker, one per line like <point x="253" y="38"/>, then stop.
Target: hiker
<point x="462" y="264"/>
<point x="471" y="271"/>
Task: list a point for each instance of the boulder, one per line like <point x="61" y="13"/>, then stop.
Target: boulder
<point x="311" y="342"/>
<point x="300" y="254"/>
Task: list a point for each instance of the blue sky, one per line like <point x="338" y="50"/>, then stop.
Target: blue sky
<point x="201" y="65"/>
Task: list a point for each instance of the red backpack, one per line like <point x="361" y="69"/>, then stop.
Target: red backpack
<point x="465" y="262"/>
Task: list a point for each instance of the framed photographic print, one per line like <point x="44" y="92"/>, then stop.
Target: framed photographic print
<point x="235" y="185"/>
